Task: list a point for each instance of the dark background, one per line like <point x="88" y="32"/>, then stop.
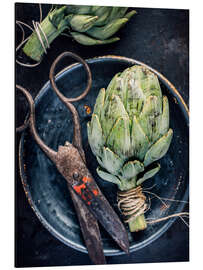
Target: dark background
<point x="157" y="37"/>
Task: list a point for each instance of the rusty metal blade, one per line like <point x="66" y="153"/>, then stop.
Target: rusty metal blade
<point x="90" y="230"/>
<point x="71" y="165"/>
<point x="97" y="204"/>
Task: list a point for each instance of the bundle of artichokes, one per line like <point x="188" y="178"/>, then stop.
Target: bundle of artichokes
<point x="88" y="25"/>
<point x="129" y="130"/>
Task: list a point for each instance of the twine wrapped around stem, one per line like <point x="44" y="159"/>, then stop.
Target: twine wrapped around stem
<point x="132" y="203"/>
<point x="39" y="32"/>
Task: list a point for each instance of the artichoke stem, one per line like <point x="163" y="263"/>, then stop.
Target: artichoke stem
<point x="33" y="47"/>
<point x="127" y="184"/>
<point x="137" y="224"/>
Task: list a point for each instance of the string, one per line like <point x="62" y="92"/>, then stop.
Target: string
<point x="132" y="203"/>
<point x="152" y="221"/>
<point x="38" y="28"/>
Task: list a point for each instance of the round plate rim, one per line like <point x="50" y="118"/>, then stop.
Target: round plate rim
<point x="69" y="243"/>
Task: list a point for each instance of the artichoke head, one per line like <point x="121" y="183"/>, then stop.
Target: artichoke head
<point x="87" y="25"/>
<point x="106" y="21"/>
<point x="129" y="130"/>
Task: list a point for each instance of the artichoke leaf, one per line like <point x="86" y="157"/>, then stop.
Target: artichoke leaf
<point x="99" y="102"/>
<point x="135" y="97"/>
<point x="113" y="85"/>
<point x="101" y="10"/>
<point x="117" y="12"/>
<point x="119" y="138"/>
<point x="132" y="168"/>
<point x="149" y="117"/>
<point x="139" y="140"/>
<point x="149" y="83"/>
<point x="76" y="9"/>
<point x="88" y="41"/>
<point x="164" y="121"/>
<point x="130" y="14"/>
<point x="154" y="88"/>
<point x="159" y="149"/>
<point x="81" y="23"/>
<point x="108" y="30"/>
<point x="110" y="113"/>
<point x="102" y="19"/>
<point x="149" y="174"/>
<point x="95" y="136"/>
<point x="111" y="162"/>
<point x="108" y="177"/>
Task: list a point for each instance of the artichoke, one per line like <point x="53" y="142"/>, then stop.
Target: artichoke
<point x="88" y="25"/>
<point x="129" y="131"/>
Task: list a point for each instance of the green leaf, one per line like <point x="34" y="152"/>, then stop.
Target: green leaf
<point x="95" y="137"/>
<point x="117" y="12"/>
<point x="132" y="168"/>
<point x="108" y="177"/>
<point x="112" y="110"/>
<point x="111" y="162"/>
<point x="112" y="87"/>
<point x="103" y="17"/>
<point x="164" y="121"/>
<point x="130" y="14"/>
<point x="149" y="174"/>
<point x="88" y="41"/>
<point x="77" y="9"/>
<point x="150" y="84"/>
<point x="99" y="102"/>
<point x="81" y="23"/>
<point x="139" y="140"/>
<point x="159" y="149"/>
<point x="99" y="11"/>
<point x="150" y="117"/>
<point x="108" y="30"/>
<point x="119" y="138"/>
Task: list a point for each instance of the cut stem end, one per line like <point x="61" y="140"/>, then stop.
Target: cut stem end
<point x="137" y="224"/>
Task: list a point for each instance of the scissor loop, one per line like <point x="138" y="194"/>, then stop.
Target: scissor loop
<point x="31" y="122"/>
<point x="52" y="76"/>
<point x="26" y="122"/>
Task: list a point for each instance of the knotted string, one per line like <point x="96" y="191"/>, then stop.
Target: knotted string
<point x="133" y="203"/>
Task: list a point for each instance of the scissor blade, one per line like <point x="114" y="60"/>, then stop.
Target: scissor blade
<point x="72" y="167"/>
<point x="90" y="230"/>
<point x="95" y="201"/>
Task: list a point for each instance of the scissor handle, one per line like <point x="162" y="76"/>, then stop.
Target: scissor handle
<point x="31" y="121"/>
<point x="77" y="138"/>
<point x="52" y="76"/>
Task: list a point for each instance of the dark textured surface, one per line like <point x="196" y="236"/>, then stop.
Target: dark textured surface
<point x="156" y="37"/>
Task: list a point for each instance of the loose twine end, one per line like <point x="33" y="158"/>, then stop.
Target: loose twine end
<point x="133" y="203"/>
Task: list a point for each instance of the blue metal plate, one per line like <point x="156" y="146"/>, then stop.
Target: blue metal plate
<point x="46" y="189"/>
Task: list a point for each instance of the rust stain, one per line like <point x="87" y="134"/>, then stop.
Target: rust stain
<point x="83" y="196"/>
<point x="79" y="188"/>
<point x="95" y="191"/>
<point x="86" y="179"/>
<point x="88" y="109"/>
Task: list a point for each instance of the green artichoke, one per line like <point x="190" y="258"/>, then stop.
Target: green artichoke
<point x="88" y="25"/>
<point x="129" y="130"/>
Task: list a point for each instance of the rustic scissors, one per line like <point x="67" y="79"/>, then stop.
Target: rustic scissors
<point x="89" y="202"/>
